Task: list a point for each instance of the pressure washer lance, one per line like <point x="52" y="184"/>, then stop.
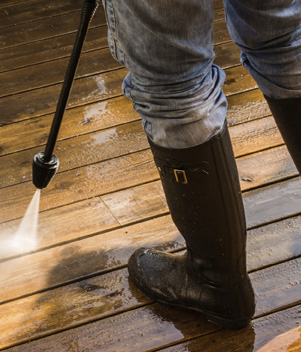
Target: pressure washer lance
<point x="45" y="164"/>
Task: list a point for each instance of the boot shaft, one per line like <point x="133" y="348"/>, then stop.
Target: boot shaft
<point x="203" y="194"/>
<point x="287" y="115"/>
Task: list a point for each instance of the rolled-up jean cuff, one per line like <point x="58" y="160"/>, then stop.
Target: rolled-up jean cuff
<point x="177" y="117"/>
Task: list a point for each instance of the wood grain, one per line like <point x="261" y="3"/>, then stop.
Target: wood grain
<point x="33" y="11"/>
<point x="53" y="72"/>
<point x="50" y="49"/>
<point x="49" y="27"/>
<point x="271" y="333"/>
<point x="95" y="298"/>
<point x="5" y="3"/>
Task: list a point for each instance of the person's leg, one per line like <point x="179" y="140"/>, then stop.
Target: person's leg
<point x="168" y="48"/>
<point x="269" y="35"/>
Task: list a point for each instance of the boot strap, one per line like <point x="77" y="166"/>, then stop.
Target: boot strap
<point x="183" y="175"/>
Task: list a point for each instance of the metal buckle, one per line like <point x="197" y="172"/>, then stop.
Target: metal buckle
<point x="180" y="176"/>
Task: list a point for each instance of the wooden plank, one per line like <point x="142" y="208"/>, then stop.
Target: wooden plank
<point x="218" y="4"/>
<point x="279" y="330"/>
<point x="46" y="28"/>
<point x="5" y="3"/>
<point x="77" y="121"/>
<point x="13" y="15"/>
<point x="220" y="31"/>
<point x="276" y="332"/>
<point x="238" y="80"/>
<point x="53" y="72"/>
<point x="254" y="136"/>
<point x="81" y="184"/>
<point x="273" y="202"/>
<point x="98" y="297"/>
<point x="265" y="167"/>
<point x="265" y="287"/>
<point x="227" y="55"/>
<point x="246" y="106"/>
<point x="43" y="101"/>
<point x="219" y="13"/>
<point x="50" y="49"/>
<point x="273" y="243"/>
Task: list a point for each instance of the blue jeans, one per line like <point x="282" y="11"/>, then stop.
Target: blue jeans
<point x="167" y="47"/>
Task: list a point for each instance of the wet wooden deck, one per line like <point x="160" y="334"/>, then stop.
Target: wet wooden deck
<point x="72" y="293"/>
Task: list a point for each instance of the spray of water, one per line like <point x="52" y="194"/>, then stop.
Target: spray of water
<point x="25" y="238"/>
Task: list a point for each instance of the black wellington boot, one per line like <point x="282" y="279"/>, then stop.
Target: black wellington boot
<point x="203" y="194"/>
<point x="287" y="115"/>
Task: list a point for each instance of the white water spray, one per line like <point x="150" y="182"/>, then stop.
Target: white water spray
<point x="25" y="238"/>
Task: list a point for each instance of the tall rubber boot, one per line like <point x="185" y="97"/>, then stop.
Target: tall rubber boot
<point x="203" y="194"/>
<point x="287" y="115"/>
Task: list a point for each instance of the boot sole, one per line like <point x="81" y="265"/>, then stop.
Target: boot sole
<point x="220" y="321"/>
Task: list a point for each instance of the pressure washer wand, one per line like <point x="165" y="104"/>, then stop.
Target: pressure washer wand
<point x="45" y="164"/>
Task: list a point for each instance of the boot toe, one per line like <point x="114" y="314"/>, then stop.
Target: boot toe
<point x="133" y="263"/>
<point x="138" y="267"/>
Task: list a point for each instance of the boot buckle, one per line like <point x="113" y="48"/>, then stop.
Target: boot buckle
<point x="180" y="176"/>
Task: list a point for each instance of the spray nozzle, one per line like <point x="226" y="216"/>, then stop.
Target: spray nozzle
<point x="43" y="171"/>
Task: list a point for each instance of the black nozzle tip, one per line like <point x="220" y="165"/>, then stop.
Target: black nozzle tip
<point x="43" y="171"/>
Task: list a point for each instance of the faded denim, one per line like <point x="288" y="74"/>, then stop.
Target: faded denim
<point x="168" y="48"/>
